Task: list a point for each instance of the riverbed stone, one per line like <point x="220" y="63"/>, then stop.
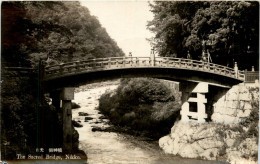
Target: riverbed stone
<point x="88" y="118"/>
<point x="103" y="117"/>
<point x="83" y="114"/>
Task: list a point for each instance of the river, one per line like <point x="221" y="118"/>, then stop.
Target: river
<point x="110" y="147"/>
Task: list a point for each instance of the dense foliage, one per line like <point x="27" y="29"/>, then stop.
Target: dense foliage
<point x="62" y="31"/>
<point x="53" y="31"/>
<point x="27" y="121"/>
<point x="145" y="105"/>
<point x="228" y="29"/>
<point x="19" y="116"/>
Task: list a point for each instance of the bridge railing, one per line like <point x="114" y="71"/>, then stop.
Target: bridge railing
<point x="135" y="62"/>
<point x="251" y="76"/>
<point x="196" y="65"/>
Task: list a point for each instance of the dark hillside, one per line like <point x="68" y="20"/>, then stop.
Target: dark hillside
<point x="62" y="31"/>
<point x="54" y="32"/>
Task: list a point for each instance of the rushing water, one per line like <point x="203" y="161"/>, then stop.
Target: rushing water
<point x="109" y="147"/>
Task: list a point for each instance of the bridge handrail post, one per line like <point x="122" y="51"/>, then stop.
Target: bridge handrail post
<point x="179" y="62"/>
<point x="152" y="58"/>
<point x="109" y="62"/>
<point x="167" y="62"/>
<point x="94" y="63"/>
<point x="236" y="70"/>
<point x="61" y="67"/>
<point x="101" y="63"/>
<point x="124" y="61"/>
<point x="116" y="63"/>
<point x="77" y="65"/>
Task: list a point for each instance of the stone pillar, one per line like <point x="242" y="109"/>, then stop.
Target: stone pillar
<point x="67" y="127"/>
<point x="193" y="93"/>
<point x="185" y="107"/>
<point x="201" y="105"/>
<point x="67" y="94"/>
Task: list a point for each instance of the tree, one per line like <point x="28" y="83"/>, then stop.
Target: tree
<point x="229" y="30"/>
<point x="144" y="105"/>
<point x="62" y="31"/>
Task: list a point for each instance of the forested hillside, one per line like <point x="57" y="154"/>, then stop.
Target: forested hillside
<point x="228" y="29"/>
<point x="54" y="32"/>
<point x="62" y="31"/>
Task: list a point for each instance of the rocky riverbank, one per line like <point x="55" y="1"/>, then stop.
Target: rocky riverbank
<point x="232" y="136"/>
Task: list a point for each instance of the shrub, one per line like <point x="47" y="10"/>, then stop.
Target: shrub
<point x="144" y="105"/>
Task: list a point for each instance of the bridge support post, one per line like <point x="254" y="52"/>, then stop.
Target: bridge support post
<point x="193" y="102"/>
<point x="65" y="115"/>
<point x="56" y="102"/>
<point x="67" y="94"/>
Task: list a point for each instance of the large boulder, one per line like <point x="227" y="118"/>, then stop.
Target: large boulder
<point x="83" y="114"/>
<point x="76" y="124"/>
<point x="207" y="141"/>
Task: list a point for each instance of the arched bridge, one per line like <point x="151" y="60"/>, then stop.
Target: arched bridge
<point x="195" y="77"/>
<point x="176" y="69"/>
<point x="197" y="82"/>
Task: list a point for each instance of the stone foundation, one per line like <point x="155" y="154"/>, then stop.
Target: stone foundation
<point x="234" y="106"/>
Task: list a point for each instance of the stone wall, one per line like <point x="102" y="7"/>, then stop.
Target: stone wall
<point x="234" y="106"/>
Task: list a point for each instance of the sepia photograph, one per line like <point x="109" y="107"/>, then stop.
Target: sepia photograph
<point x="129" y="82"/>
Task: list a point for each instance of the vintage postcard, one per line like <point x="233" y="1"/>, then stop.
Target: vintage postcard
<point x="129" y="82"/>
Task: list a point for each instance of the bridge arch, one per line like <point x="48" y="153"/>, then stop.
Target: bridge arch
<point x="175" y="69"/>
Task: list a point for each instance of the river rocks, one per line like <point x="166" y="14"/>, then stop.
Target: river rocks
<point x="83" y="114"/>
<point x="103" y="117"/>
<point x="100" y="129"/>
<point x="74" y="105"/>
<point x="98" y="121"/>
<point x="88" y="118"/>
<point x="234" y="106"/>
<point x="208" y="141"/>
<point x="76" y="124"/>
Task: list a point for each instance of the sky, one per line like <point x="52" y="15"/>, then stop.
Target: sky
<point x="125" y="22"/>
